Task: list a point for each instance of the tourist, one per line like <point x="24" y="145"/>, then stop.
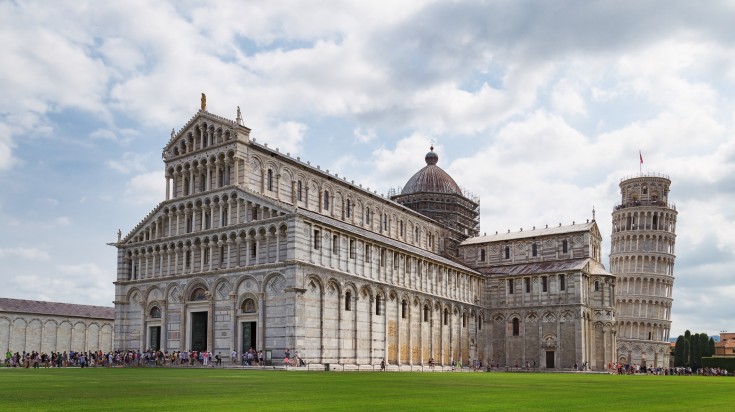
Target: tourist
<point x="382" y="365"/>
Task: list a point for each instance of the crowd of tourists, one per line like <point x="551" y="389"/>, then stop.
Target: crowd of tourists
<point x="678" y="371"/>
<point x="118" y="358"/>
<point x="251" y="357"/>
<point x="55" y="359"/>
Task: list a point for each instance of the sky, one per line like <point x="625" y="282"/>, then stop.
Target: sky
<point x="539" y="108"/>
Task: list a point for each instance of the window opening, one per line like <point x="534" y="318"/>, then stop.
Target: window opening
<point x="317" y="240"/>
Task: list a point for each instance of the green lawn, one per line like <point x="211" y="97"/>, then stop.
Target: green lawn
<point x="217" y="389"/>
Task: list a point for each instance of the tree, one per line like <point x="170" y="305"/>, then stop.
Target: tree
<point x="679" y="354"/>
<point x="696" y="351"/>
<point x="690" y="349"/>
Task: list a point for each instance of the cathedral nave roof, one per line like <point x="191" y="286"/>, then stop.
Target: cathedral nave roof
<point x="378" y="238"/>
<point x="525" y="234"/>
<point x="553" y="266"/>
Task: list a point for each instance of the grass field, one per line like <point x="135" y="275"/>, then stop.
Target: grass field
<point x="217" y="390"/>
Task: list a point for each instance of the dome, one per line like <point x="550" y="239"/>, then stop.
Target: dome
<point x="431" y="178"/>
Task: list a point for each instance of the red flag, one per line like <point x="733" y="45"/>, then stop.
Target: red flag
<point x="641" y="156"/>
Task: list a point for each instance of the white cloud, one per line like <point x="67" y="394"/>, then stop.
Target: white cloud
<point x="25" y="253"/>
<point x="6" y="147"/>
<point x="146" y="188"/>
<point x="566" y="98"/>
<point x="85" y="283"/>
<point x="363" y="136"/>
<point x="286" y="136"/>
<point x="131" y="162"/>
<point x="61" y="221"/>
<point x="103" y="134"/>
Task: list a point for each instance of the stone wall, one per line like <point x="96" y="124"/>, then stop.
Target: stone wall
<point x="30" y="332"/>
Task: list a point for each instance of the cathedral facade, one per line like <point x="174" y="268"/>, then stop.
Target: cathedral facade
<point x="254" y="248"/>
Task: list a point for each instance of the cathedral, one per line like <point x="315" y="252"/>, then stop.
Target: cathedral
<point x="254" y="248"/>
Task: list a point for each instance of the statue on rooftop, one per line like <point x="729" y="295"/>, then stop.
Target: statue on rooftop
<point x="204" y="102"/>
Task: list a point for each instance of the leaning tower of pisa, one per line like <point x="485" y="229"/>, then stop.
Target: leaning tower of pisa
<point x="642" y="259"/>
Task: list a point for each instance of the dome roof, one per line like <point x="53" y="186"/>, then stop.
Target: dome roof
<point x="431" y="178"/>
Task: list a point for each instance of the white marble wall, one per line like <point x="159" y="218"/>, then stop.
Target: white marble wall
<point x="44" y="333"/>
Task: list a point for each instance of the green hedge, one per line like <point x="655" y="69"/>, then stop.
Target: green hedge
<point x="722" y="363"/>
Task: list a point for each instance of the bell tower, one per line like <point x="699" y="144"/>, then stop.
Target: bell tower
<point x="642" y="259"/>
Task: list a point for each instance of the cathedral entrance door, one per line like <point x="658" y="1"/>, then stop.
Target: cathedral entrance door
<point x="154" y="338"/>
<point x="249" y="334"/>
<point x="199" y="331"/>
<point x="550" y="359"/>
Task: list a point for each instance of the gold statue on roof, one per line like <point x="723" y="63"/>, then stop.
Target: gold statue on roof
<point x="204" y="102"/>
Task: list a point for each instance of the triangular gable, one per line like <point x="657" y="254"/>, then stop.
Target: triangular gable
<point x="160" y="209"/>
<point x="595" y="230"/>
<point x="217" y="129"/>
<point x="143" y="223"/>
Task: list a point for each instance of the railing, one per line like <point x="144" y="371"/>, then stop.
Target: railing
<point x="657" y="203"/>
<point x="647" y="174"/>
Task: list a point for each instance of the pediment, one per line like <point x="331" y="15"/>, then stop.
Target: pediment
<point x="207" y="198"/>
<point x="595" y="230"/>
<point x="142" y="226"/>
<point x="203" y="131"/>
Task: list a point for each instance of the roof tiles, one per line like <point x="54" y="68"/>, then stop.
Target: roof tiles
<point x="56" y="309"/>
